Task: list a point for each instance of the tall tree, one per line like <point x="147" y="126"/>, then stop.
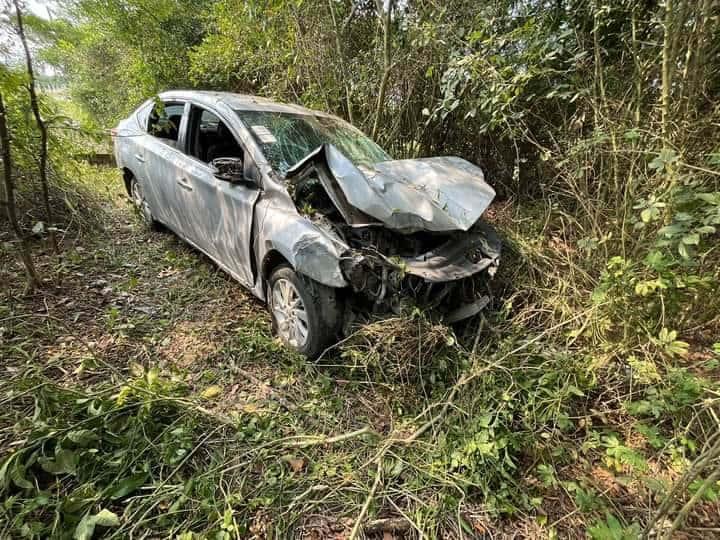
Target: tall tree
<point x="25" y="255"/>
<point x="386" y="21"/>
<point x="42" y="126"/>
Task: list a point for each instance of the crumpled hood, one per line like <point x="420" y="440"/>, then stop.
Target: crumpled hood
<point x="437" y="194"/>
<point x="433" y="194"/>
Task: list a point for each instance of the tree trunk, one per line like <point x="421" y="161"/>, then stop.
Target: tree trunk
<point x="387" y="66"/>
<point x="666" y="73"/>
<point x="35" y="106"/>
<point x="340" y="51"/>
<point x="25" y="256"/>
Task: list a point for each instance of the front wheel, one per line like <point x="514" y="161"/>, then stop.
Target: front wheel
<point x="306" y="315"/>
<point x="141" y="204"/>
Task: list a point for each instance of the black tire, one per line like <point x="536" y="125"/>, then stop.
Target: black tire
<point x="141" y="205"/>
<point x="321" y="305"/>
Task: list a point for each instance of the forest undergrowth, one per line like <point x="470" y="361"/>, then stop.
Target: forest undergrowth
<point x="144" y="396"/>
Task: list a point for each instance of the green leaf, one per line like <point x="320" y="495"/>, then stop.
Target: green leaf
<point x="127" y="485"/>
<point x="711" y="198"/>
<point x="486" y="449"/>
<point x="485" y="420"/>
<point x="677" y="348"/>
<point x="612" y="529"/>
<point x="106" y="518"/>
<point x="666" y="157"/>
<point x="671" y="230"/>
<point x="4" y="476"/>
<point x="692" y="239"/>
<point x="652" y="434"/>
<point x="82" y="437"/>
<point x="211" y="392"/>
<point x="655" y="260"/>
<point x="65" y="462"/>
<point x="17" y="475"/>
<point x="648" y="214"/>
<point x="711" y="493"/>
<point x="86" y="528"/>
<point x="657" y="164"/>
<point x="683" y="251"/>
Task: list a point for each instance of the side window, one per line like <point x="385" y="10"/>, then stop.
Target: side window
<point x="164" y="121"/>
<point x="209" y="138"/>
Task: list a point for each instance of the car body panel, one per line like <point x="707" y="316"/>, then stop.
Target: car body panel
<point x="242" y="225"/>
<point x="309" y="249"/>
<point x="217" y="216"/>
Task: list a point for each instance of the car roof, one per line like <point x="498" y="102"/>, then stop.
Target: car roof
<point x="238" y="101"/>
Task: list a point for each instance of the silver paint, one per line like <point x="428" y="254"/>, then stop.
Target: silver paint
<point x="241" y="226"/>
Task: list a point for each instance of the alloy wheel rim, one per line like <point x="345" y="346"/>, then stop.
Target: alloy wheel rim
<point x="139" y="200"/>
<point x="289" y="312"/>
<point x="137" y="195"/>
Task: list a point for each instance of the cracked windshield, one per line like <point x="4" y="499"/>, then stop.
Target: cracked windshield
<point x="286" y="138"/>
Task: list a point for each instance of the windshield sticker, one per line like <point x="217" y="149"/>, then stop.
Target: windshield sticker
<point x="264" y="134"/>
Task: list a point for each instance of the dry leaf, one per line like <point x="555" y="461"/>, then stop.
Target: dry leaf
<point x="250" y="408"/>
<point x="211" y="392"/>
<point x="387" y="535"/>
<point x="297" y="464"/>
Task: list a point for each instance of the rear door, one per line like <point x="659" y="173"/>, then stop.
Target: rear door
<point x="163" y="159"/>
<point x="219" y="213"/>
<point x="131" y="139"/>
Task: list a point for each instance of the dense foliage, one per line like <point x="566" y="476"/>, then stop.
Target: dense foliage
<point x="597" y="122"/>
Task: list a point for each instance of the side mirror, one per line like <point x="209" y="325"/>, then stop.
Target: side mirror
<point x="229" y="169"/>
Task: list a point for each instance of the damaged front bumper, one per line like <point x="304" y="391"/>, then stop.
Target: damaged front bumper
<point x="449" y="280"/>
<point x="411" y="229"/>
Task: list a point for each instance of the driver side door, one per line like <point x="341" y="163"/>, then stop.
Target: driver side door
<point x="219" y="213"/>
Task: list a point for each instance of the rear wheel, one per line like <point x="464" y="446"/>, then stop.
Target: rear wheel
<point x="305" y="314"/>
<point x="141" y="204"/>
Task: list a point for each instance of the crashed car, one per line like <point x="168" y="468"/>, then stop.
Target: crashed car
<point x="309" y="213"/>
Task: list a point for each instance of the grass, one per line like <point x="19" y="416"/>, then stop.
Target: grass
<point x="143" y="396"/>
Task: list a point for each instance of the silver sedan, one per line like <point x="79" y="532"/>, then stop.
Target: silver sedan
<point x="308" y="213"/>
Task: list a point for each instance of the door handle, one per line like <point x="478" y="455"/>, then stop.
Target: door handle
<point x="140" y="158"/>
<point x="183" y="183"/>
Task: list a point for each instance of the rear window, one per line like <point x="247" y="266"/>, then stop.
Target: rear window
<point x="164" y="120"/>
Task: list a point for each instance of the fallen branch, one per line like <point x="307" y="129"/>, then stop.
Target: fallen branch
<point x="366" y="504"/>
<point x="695" y="468"/>
<point x="397" y="524"/>
<point x="314" y="440"/>
<point x="685" y="510"/>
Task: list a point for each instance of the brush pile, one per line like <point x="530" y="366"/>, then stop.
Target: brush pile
<point x="402" y="350"/>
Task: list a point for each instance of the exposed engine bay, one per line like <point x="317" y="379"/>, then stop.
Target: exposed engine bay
<point x="388" y="267"/>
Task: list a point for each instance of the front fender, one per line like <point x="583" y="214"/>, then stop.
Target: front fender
<point x="309" y="250"/>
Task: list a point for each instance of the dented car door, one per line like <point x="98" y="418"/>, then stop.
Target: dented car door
<point x="219" y="213"/>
